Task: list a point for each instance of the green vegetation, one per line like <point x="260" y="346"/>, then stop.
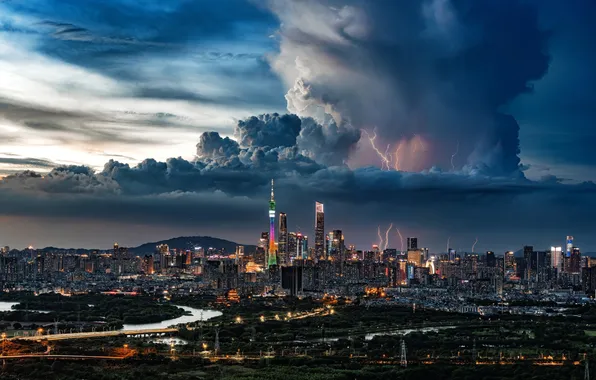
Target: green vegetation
<point x="197" y="369"/>
<point x="113" y="310"/>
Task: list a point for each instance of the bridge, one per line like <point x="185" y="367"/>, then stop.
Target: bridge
<point x="97" y="334"/>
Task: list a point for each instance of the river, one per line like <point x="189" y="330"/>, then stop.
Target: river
<point x="195" y="315"/>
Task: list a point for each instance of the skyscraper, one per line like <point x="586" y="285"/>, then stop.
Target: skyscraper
<point x="272" y="254"/>
<point x="569" y="246"/>
<point x="555" y="257"/>
<point x="575" y="260"/>
<point x="336" y="245"/>
<point x="491" y="260"/>
<point x="319" y="231"/>
<point x="282" y="240"/>
<point x="412" y="243"/>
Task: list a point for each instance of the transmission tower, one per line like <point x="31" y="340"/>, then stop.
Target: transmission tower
<point x="216" y="347"/>
<point x="587" y="368"/>
<point x="403" y="361"/>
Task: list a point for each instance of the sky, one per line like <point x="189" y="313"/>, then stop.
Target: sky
<point x="455" y="121"/>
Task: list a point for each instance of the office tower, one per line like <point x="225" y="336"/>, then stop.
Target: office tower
<point x="335" y="244"/>
<point x="282" y="246"/>
<point x="528" y="249"/>
<point x="272" y="253"/>
<point x="291" y="279"/>
<point x="452" y="255"/>
<point x="412" y="243"/>
<point x="261" y="254"/>
<point x="292" y="245"/>
<point x="302" y="246"/>
<point x="148" y="264"/>
<point x="491" y="260"/>
<point x="556" y="257"/>
<point x="575" y="260"/>
<point x="569" y="246"/>
<point x="319" y="231"/>
<point x="415" y="257"/>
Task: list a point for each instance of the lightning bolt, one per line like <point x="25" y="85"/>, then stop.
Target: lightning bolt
<point x="401" y="239"/>
<point x="387" y="236"/>
<point x="396" y="162"/>
<point x="448" y="239"/>
<point x="384" y="160"/>
<point x="380" y="237"/>
<point x="454" y="154"/>
<point x="387" y="156"/>
<point x="474" y="245"/>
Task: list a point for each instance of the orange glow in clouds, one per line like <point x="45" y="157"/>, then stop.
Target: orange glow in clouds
<point x="406" y="154"/>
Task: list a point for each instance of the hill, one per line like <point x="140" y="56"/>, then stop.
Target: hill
<point x="190" y="242"/>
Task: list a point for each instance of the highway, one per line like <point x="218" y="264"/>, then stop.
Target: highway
<point x="64" y="357"/>
<point x="95" y="334"/>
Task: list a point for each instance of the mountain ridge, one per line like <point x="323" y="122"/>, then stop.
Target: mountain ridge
<point x="180" y="242"/>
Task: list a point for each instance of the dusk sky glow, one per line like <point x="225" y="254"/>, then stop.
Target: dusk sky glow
<point x="141" y="120"/>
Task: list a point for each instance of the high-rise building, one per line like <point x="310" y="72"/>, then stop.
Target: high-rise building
<point x="319" y="231"/>
<point x="556" y="257"/>
<point x="412" y="243"/>
<point x="292" y="246"/>
<point x="569" y="246"/>
<point x="491" y="260"/>
<point x="335" y="245"/>
<point x="282" y="240"/>
<point x="272" y="253"/>
<point x="528" y="249"/>
<point x="575" y="260"/>
<point x="302" y="246"/>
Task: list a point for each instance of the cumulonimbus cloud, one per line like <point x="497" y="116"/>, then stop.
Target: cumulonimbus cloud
<point x="436" y="70"/>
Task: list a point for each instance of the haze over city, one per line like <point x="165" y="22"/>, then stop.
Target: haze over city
<point x="141" y="121"/>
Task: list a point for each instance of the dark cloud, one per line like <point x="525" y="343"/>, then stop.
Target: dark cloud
<point x="212" y="145"/>
<point x="27" y="161"/>
<point x="269" y="130"/>
<point x="329" y="144"/>
<point x="358" y="199"/>
<point x="438" y="69"/>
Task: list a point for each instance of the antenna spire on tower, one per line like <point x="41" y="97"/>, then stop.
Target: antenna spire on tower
<point x="272" y="197"/>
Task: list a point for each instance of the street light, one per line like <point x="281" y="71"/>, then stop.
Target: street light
<point x="40" y="331"/>
<point x="204" y="346"/>
<point x="262" y="318"/>
<point x="238" y="319"/>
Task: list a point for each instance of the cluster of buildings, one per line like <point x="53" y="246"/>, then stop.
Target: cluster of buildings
<point x="284" y="263"/>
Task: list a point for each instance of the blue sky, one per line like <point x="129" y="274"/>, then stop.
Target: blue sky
<point x="447" y="87"/>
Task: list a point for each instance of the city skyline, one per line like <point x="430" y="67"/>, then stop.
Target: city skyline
<point x="135" y="123"/>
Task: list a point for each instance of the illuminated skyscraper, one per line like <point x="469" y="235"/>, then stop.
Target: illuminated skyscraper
<point x="319" y="230"/>
<point x="569" y="246"/>
<point x="555" y="257"/>
<point x="272" y="254"/>
<point x="282" y="245"/>
<point x="335" y="245"/>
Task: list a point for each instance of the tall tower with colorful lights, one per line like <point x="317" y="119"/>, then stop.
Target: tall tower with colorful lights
<point x="272" y="258"/>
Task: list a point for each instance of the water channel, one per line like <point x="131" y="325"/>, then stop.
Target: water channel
<point x="195" y="315"/>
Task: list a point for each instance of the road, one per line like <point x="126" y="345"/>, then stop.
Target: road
<point x="95" y="334"/>
<point x="64" y="357"/>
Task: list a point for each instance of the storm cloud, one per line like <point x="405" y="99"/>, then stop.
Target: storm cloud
<point x="436" y="71"/>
